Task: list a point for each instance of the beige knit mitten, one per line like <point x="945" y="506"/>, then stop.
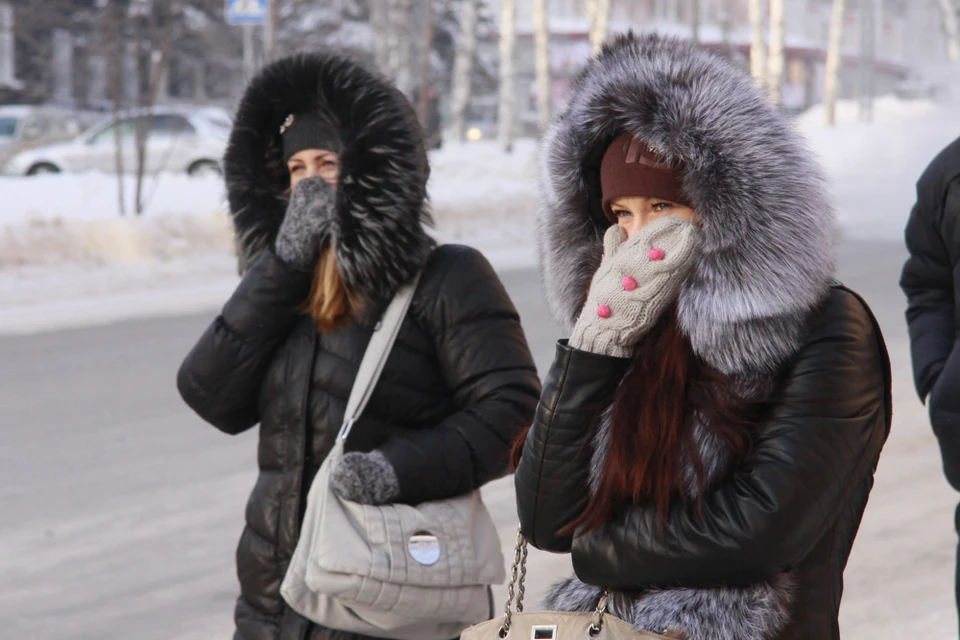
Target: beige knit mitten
<point x="638" y="279"/>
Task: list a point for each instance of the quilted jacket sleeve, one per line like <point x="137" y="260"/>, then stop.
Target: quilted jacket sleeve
<point x="822" y="442"/>
<point x="927" y="280"/>
<point x="489" y="371"/>
<point x="220" y="377"/>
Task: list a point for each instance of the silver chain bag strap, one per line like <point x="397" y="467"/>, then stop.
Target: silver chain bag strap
<point x="391" y="571"/>
<point x="550" y="625"/>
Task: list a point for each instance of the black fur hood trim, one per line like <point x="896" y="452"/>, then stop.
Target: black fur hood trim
<point x="379" y="233"/>
<point x="768" y="222"/>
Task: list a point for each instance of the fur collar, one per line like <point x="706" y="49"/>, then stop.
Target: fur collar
<point x="379" y="233"/>
<point x="768" y="222"/>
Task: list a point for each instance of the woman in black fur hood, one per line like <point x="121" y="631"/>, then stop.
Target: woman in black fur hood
<point x="326" y="174"/>
<point x="706" y="442"/>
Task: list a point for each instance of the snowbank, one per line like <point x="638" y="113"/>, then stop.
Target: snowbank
<point x="873" y="168"/>
<point x="480" y="197"/>
<point x="68" y="259"/>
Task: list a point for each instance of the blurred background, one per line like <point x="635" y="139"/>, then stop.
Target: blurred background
<point x="120" y="509"/>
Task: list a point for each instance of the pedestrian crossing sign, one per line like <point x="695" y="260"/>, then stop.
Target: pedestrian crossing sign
<point x="246" y="11"/>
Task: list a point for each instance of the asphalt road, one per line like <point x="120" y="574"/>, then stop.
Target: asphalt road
<point x="120" y="509"/>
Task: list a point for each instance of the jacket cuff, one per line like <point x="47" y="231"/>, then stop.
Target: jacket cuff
<point x="582" y="378"/>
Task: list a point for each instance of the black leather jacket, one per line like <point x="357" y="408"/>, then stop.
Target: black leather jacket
<point x="795" y="503"/>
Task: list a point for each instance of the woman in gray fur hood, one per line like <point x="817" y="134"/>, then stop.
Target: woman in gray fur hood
<point x="706" y="441"/>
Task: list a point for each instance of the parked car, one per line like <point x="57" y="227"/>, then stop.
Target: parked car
<point x="183" y="140"/>
<point x="26" y="126"/>
<point x="26" y="123"/>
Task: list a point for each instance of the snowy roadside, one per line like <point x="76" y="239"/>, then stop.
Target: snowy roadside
<point x="67" y="259"/>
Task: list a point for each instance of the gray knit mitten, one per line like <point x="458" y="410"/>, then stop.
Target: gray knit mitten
<point x="367" y="478"/>
<point x="309" y="215"/>
<point x="638" y="279"/>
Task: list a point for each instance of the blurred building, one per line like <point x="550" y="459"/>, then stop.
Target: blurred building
<point x="907" y="39"/>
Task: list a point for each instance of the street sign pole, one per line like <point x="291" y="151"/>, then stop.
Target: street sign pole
<point x="247" y="14"/>
<point x="249" y="61"/>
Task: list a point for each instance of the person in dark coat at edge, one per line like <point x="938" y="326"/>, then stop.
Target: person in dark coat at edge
<point x="707" y="439"/>
<point x="932" y="283"/>
<point x="326" y="175"/>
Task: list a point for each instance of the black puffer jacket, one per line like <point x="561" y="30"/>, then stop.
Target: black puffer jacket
<point x="764" y="559"/>
<point x="794" y="506"/>
<point x="931" y="280"/>
<point x="458" y="386"/>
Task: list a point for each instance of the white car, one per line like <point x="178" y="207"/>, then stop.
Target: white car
<point x="190" y="141"/>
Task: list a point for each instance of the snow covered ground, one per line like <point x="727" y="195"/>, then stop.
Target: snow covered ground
<point x="68" y="259"/>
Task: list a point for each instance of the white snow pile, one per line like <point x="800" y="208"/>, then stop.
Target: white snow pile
<point x="68" y="259"/>
<point x="480" y="197"/>
<point x="59" y="219"/>
<point x="873" y="167"/>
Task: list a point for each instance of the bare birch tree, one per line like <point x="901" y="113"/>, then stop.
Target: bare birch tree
<point x="695" y="21"/>
<point x="831" y="80"/>
<point x="776" y="63"/>
<point x="393" y="41"/>
<point x="423" y="83"/>
<point x="155" y="74"/>
<point x="506" y="110"/>
<point x="544" y="84"/>
<point x="758" y="47"/>
<point x="951" y="28"/>
<point x="113" y="36"/>
<point x="463" y="68"/>
<point x="598" y="13"/>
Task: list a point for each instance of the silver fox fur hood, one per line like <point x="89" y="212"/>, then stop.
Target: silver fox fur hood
<point x="766" y="265"/>
<point x="768" y="223"/>
<point x="379" y="231"/>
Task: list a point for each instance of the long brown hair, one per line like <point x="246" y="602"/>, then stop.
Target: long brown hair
<point x="665" y="391"/>
<point x="330" y="303"/>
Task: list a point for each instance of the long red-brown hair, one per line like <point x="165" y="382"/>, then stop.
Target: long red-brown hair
<point x="665" y="390"/>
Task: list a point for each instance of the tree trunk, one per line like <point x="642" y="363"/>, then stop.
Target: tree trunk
<point x="758" y="48"/>
<point x="598" y="13"/>
<point x="380" y="24"/>
<point x="508" y="39"/>
<point x="951" y="28"/>
<point x="695" y="21"/>
<point x="831" y="81"/>
<point x="401" y="45"/>
<point x="776" y="64"/>
<point x="156" y="73"/>
<point x="463" y="68"/>
<point x="423" y="96"/>
<point x="115" y="38"/>
<point x="868" y="52"/>
<point x="270" y="30"/>
<point x="544" y="82"/>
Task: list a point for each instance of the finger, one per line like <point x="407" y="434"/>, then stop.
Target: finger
<point x="612" y="240"/>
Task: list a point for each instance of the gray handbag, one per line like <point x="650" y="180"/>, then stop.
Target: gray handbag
<point x="392" y="571"/>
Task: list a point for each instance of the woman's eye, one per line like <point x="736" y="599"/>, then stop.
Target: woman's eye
<point x="329" y="164"/>
<point x="296" y="169"/>
<point x="621" y="213"/>
<point x="662" y="206"/>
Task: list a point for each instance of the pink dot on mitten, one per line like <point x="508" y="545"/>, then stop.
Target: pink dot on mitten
<point x="629" y="284"/>
<point x="603" y="311"/>
<point x="657" y="254"/>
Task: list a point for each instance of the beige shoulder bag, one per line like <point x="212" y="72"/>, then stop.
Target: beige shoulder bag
<point x="392" y="571"/>
<point x="550" y="625"/>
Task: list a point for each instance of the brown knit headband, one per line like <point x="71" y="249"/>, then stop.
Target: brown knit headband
<point x="632" y="168"/>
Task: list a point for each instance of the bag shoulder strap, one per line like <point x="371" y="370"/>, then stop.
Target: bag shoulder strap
<point x="375" y="357"/>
